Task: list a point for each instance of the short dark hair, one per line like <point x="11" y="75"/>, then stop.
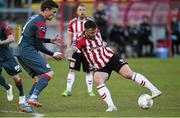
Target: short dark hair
<point x="82" y="5"/>
<point x="90" y="24"/>
<point x="48" y="4"/>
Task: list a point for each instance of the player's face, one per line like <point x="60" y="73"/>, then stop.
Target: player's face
<point x="81" y="12"/>
<point x="50" y="13"/>
<point x="90" y="32"/>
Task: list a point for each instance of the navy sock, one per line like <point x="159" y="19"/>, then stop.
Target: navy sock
<point x="3" y="83"/>
<point x="32" y="89"/>
<point x="19" y="87"/>
<point x="42" y="83"/>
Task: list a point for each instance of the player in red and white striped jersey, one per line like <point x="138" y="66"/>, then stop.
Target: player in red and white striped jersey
<point x="75" y="29"/>
<point x="104" y="61"/>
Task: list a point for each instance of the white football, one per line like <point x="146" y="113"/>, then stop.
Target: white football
<point x="145" y="101"/>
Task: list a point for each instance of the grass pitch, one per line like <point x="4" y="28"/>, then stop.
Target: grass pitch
<point x="165" y="74"/>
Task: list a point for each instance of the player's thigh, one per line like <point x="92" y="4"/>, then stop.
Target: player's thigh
<point x="76" y="65"/>
<point x="126" y="72"/>
<point x="26" y="67"/>
<point x="116" y="63"/>
<point x="11" y="66"/>
<point x="35" y="63"/>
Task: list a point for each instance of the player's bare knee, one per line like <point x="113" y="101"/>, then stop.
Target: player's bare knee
<point x="16" y="78"/>
<point x="126" y="72"/>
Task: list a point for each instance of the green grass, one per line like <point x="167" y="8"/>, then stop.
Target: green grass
<point x="165" y="74"/>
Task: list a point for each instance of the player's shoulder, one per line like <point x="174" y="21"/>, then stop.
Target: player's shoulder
<point x="37" y="18"/>
<point x="2" y="23"/>
<point x="73" y="20"/>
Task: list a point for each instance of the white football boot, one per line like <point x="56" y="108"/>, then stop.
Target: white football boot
<point x="111" y="109"/>
<point x="156" y="93"/>
<point x="10" y="93"/>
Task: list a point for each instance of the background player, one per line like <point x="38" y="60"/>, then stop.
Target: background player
<point x="8" y="62"/>
<point x="75" y="28"/>
<point x="104" y="61"/>
<point x="32" y="39"/>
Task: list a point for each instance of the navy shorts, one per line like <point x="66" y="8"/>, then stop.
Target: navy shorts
<point x="34" y="63"/>
<point x="114" y="64"/>
<point x="11" y="66"/>
<point x="80" y="59"/>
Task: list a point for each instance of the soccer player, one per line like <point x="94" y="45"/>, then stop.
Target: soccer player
<point x="32" y="39"/>
<point x="8" y="62"/>
<point x="104" y="61"/>
<point x="75" y="29"/>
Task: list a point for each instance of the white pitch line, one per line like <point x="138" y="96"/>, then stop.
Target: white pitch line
<point x="35" y="115"/>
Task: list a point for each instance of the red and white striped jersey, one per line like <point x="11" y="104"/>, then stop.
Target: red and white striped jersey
<point x="76" y="26"/>
<point x="95" y="51"/>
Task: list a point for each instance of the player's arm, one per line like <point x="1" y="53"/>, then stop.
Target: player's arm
<point x="39" y="46"/>
<point x="8" y="32"/>
<point x="9" y="39"/>
<point x="69" y="35"/>
<point x="69" y="39"/>
<point x="56" y="40"/>
<point x="40" y="34"/>
<point x="76" y="47"/>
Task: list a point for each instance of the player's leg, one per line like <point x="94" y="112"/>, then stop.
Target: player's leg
<point x="73" y="67"/>
<point x="36" y="78"/>
<point x="2" y="80"/>
<point x="89" y="76"/>
<point x="19" y="85"/>
<point x="41" y="84"/>
<point x="8" y="88"/>
<point x="100" y="78"/>
<point x="35" y="64"/>
<point x="29" y="70"/>
<point x="70" y="81"/>
<point x="89" y="83"/>
<point x="127" y="73"/>
<point x="12" y="68"/>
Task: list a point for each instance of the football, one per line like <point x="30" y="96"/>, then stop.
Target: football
<point x="145" y="101"/>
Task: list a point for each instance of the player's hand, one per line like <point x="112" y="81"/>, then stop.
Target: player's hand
<point x="71" y="59"/>
<point x="57" y="56"/>
<point x="57" y="40"/>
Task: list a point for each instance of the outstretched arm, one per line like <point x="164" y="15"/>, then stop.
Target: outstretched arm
<point x="9" y="39"/>
<point x="39" y="46"/>
<point x="70" y="51"/>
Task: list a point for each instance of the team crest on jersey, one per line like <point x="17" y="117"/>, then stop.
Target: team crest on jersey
<point x="17" y="68"/>
<point x="43" y="28"/>
<point x="47" y="65"/>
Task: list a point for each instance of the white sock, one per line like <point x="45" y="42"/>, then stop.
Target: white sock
<point x="89" y="81"/>
<point x="70" y="81"/>
<point x="140" y="79"/>
<point x="105" y="94"/>
<point x="22" y="99"/>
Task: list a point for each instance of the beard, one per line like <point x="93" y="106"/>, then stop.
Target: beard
<point x="82" y="16"/>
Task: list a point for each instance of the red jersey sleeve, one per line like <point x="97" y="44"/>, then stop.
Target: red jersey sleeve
<point x="6" y="28"/>
<point x="81" y="43"/>
<point x="41" y="29"/>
